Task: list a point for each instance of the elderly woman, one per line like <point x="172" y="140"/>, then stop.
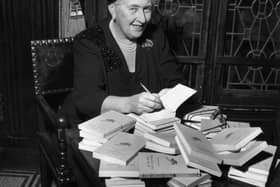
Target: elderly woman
<point x="116" y="57"/>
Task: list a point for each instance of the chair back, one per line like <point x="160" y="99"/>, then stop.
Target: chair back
<point x="52" y="68"/>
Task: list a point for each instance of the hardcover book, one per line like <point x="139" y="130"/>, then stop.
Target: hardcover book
<point x="196" y="144"/>
<point x="191" y="181"/>
<point x="249" y="175"/>
<point x="162" y="149"/>
<point x="158" y="165"/>
<point x="107" y="123"/>
<point x="233" y="139"/>
<point x="123" y="182"/>
<point x="247" y="180"/>
<point x="130" y="170"/>
<point x="157" y="122"/>
<point x="165" y="139"/>
<point x="89" y="136"/>
<point x="263" y="164"/>
<point x="211" y="125"/>
<point x="258" y="167"/>
<point x="120" y="149"/>
<point x="204" y="165"/>
<point x="244" y="155"/>
<point x="85" y="147"/>
<point x="237" y="124"/>
<point x="203" y="112"/>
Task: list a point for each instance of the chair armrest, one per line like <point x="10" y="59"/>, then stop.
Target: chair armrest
<point x="59" y="124"/>
<point x="57" y="120"/>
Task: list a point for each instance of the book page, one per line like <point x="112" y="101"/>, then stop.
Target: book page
<point x="176" y="96"/>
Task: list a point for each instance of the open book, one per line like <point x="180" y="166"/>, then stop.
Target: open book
<point x="171" y="101"/>
<point x="176" y="96"/>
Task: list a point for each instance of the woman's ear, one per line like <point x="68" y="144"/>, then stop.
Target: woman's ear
<point x="112" y="10"/>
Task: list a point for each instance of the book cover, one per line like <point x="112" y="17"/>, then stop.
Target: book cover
<point x="237" y="124"/>
<point x="207" y="166"/>
<point x="196" y="143"/>
<point x="160" y="148"/>
<point x="107" y="123"/>
<point x="176" y="96"/>
<point x="191" y="181"/>
<point x="120" y="149"/>
<point x="233" y="139"/>
<point x="244" y="155"/>
<point x="130" y="170"/>
<point x="211" y="125"/>
<point x="158" y="165"/>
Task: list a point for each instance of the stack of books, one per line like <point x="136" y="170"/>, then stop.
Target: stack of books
<point x="207" y="119"/>
<point x="160" y="121"/>
<point x="163" y="120"/>
<point x="97" y="131"/>
<point x="163" y="142"/>
<point x="256" y="171"/>
<point x="195" y="181"/>
<point x="236" y="146"/>
<point x="202" y="112"/>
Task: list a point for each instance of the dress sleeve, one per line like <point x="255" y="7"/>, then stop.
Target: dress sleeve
<point x="89" y="79"/>
<point x="170" y="70"/>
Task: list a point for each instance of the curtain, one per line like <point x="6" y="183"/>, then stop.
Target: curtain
<point x="20" y="22"/>
<point x="94" y="10"/>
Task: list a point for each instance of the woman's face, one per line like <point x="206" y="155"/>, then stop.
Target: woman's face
<point x="132" y="16"/>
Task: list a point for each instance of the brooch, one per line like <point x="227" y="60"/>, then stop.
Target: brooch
<point x="147" y="44"/>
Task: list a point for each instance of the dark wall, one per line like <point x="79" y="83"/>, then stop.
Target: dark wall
<point x="22" y="21"/>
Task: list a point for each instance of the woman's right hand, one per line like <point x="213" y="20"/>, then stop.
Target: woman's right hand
<point x="143" y="102"/>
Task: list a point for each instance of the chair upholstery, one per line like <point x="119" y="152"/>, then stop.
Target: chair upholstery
<point x="53" y="80"/>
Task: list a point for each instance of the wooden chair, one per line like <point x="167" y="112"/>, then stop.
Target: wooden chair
<point x="53" y="80"/>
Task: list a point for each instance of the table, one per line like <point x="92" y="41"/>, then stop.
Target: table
<point x="85" y="169"/>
